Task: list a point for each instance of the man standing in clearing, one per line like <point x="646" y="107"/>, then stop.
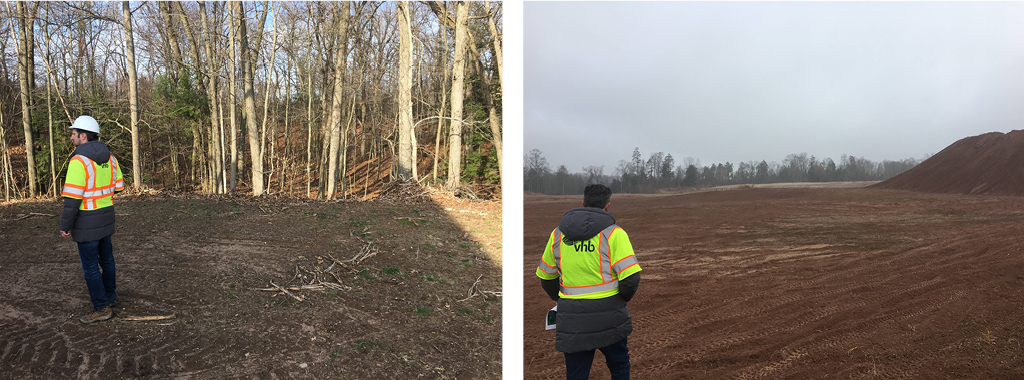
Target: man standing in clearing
<point x="92" y="178"/>
<point x="590" y="269"/>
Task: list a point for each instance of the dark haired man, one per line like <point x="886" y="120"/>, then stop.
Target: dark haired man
<point x="589" y="267"/>
<point x="92" y="179"/>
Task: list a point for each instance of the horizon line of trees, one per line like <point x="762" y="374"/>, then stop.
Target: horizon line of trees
<point x="661" y="171"/>
<point x="318" y="99"/>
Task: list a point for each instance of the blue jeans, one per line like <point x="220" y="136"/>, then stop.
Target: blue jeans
<point x="577" y="364"/>
<point x="98" y="266"/>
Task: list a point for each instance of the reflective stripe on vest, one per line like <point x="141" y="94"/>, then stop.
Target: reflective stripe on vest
<point x="114" y="167"/>
<point x="606" y="267"/>
<point x="548" y="268"/>
<point x="90" y="194"/>
<point x="623" y="264"/>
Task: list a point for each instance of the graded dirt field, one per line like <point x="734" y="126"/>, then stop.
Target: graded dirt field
<point x="807" y="283"/>
<point x="402" y="313"/>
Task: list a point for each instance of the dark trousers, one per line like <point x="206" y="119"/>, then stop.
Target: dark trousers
<point x="98" y="266"/>
<point x="577" y="364"/>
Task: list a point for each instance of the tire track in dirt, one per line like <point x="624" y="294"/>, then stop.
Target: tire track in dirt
<point x="771" y="293"/>
<point x="775" y="302"/>
<point x="777" y="295"/>
<point x="814" y="316"/>
<point x="876" y="322"/>
<point x="159" y="359"/>
<point x="863" y="329"/>
<point x="31" y="346"/>
<point x="778" y="298"/>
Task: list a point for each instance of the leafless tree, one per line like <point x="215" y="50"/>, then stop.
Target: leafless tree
<point x="406" y="154"/>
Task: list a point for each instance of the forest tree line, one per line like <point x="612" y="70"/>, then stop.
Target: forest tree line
<point x="316" y="99"/>
<point x="662" y="171"/>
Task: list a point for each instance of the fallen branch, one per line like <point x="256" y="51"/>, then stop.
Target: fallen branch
<point x="366" y="252"/>
<point x="294" y="288"/>
<point x="472" y="288"/>
<point x="285" y="291"/>
<point x="336" y="277"/>
<point x="342" y="264"/>
<point x="490" y="293"/>
<point x="334" y="286"/>
<point x="148" y="318"/>
<point x="29" y="215"/>
<point x="411" y="220"/>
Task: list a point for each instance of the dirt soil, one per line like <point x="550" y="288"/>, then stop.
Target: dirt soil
<point x="985" y="164"/>
<point x="807" y="283"/>
<point x="402" y="313"/>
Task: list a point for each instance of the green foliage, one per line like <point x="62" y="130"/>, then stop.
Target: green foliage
<point x="182" y="98"/>
<point x="480" y="164"/>
<point x="366" y="274"/>
<point x="691" y="176"/>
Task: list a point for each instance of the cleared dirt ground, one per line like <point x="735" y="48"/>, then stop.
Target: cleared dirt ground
<point x="808" y="283"/>
<point x="398" y="315"/>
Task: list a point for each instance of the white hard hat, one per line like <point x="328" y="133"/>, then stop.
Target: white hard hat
<point x="86" y="123"/>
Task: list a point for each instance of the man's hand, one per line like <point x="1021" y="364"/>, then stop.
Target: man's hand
<point x="65" y="234"/>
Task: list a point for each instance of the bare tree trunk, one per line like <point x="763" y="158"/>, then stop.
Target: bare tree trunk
<point x="345" y="144"/>
<point x="25" y="73"/>
<point x="216" y="172"/>
<point x="496" y="135"/>
<point x="49" y="114"/>
<point x="193" y="43"/>
<point x="223" y="183"/>
<point x="250" y="103"/>
<point x="7" y="170"/>
<point x="198" y="154"/>
<point x="287" y="127"/>
<point x="406" y="158"/>
<point x="458" y="88"/>
<point x="234" y="105"/>
<point x="272" y="135"/>
<point x="492" y="113"/>
<point x="266" y="112"/>
<point x="133" y="94"/>
<point x="30" y="42"/>
<point x="339" y="77"/>
<point x="492" y="116"/>
<point x="176" y="63"/>
<point x="497" y="40"/>
<point x="444" y="98"/>
<point x="309" y="124"/>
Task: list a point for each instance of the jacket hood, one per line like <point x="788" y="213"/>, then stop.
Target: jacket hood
<point x="94" y="150"/>
<point x="583" y="223"/>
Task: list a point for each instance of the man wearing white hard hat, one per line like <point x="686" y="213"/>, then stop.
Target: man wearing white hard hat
<point x="92" y="178"/>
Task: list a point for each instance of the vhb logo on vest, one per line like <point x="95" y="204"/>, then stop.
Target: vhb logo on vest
<point x="580" y="245"/>
<point x="584" y="246"/>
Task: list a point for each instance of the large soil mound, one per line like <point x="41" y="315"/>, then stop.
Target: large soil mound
<point x="991" y="163"/>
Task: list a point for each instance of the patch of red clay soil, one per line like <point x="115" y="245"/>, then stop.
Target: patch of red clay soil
<point x="991" y="163"/>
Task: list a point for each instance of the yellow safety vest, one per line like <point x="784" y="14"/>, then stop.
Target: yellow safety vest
<point x="589" y="269"/>
<point x="93" y="183"/>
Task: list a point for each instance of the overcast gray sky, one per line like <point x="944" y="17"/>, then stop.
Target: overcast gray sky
<point x="742" y="81"/>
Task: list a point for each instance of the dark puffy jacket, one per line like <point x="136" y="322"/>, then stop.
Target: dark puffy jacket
<point x="582" y="324"/>
<point x="88" y="225"/>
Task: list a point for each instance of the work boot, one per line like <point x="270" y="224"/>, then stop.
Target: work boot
<point x="96" y="316"/>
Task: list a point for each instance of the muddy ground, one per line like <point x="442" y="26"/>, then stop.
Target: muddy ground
<point x="398" y="314"/>
<point x="808" y="284"/>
